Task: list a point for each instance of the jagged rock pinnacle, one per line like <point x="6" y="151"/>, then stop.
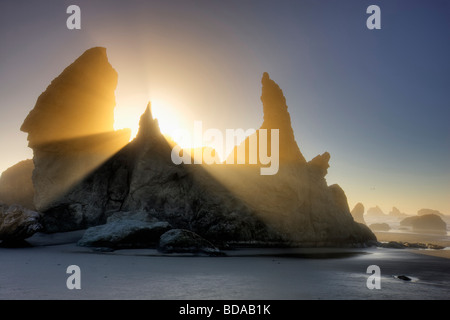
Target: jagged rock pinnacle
<point x="276" y="116"/>
<point x="148" y="126"/>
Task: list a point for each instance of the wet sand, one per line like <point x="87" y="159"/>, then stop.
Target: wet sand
<point x="39" y="272"/>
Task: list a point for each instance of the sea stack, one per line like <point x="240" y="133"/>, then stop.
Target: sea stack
<point x="70" y="129"/>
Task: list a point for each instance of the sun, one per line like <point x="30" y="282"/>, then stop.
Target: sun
<point x="170" y="122"/>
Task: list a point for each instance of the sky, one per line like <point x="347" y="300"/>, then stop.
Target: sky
<point x="377" y="100"/>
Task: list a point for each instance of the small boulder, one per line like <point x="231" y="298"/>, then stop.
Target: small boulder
<point x="185" y="241"/>
<point x="123" y="234"/>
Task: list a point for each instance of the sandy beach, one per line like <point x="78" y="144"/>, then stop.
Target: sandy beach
<point x="39" y="272"/>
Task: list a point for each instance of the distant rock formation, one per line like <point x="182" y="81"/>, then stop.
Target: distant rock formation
<point x="375" y="212"/>
<point x="379" y="227"/>
<point x="358" y="213"/>
<point x="422" y="212"/>
<point x="407" y="222"/>
<point x="396" y="213"/>
<point x="17" y="223"/>
<point x="71" y="128"/>
<point x="426" y="223"/>
<point x="221" y="203"/>
<point x="16" y="186"/>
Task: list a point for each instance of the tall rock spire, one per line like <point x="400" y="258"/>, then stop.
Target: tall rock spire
<point x="276" y="116"/>
<point x="148" y="126"/>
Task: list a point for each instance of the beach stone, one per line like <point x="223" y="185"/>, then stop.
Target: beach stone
<point x="185" y="241"/>
<point x="18" y="223"/>
<point x="124" y="234"/>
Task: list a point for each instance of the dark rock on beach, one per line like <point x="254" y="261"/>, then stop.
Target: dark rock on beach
<point x="124" y="234"/>
<point x="185" y="241"/>
<point x="18" y="223"/>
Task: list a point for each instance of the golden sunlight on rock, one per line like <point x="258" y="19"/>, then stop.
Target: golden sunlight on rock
<point x="71" y="129"/>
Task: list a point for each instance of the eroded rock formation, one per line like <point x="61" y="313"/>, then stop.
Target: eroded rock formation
<point x="297" y="202"/>
<point x="71" y="128"/>
<point x="222" y="203"/>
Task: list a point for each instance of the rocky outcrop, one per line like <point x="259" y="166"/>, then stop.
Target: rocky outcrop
<point x="17" y="223"/>
<point x="122" y="234"/>
<point x="16" y="186"/>
<point x="409" y="245"/>
<point x="185" y="241"/>
<point x="71" y="128"/>
<point x="375" y="212"/>
<point x="397" y="213"/>
<point x="427" y="223"/>
<point x="358" y="213"/>
<point x="222" y="203"/>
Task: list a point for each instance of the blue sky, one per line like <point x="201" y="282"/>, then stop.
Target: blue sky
<point x="377" y="100"/>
